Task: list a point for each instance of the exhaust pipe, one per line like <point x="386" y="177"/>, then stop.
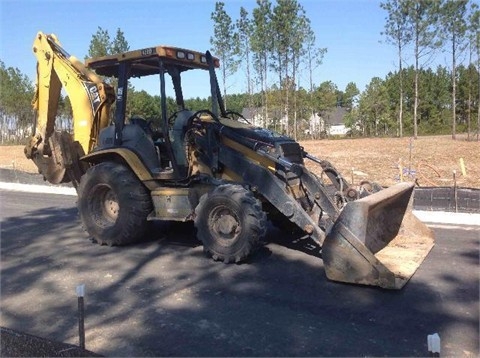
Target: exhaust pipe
<point x="377" y="240"/>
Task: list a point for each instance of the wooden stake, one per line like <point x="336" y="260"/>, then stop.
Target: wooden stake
<point x="81" y="315"/>
<point x="462" y="167"/>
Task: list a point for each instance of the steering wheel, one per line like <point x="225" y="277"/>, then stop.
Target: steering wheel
<point x="172" y="118"/>
<point x="233" y="114"/>
<point x="203" y="111"/>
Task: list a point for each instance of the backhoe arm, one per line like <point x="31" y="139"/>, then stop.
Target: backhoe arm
<point x="56" y="154"/>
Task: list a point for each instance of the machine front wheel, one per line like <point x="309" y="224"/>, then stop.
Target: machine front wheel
<point x="230" y="223"/>
<point x="113" y="204"/>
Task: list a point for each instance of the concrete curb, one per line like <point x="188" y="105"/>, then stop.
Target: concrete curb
<point x="448" y="218"/>
<point x="34" y="188"/>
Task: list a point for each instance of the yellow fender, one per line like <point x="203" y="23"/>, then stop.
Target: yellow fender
<point x="131" y="160"/>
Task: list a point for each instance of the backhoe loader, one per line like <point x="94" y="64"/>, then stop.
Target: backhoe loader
<point x="210" y="167"/>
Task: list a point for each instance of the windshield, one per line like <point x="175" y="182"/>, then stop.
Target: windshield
<point x="144" y="97"/>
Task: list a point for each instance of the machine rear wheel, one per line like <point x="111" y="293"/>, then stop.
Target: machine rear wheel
<point x="113" y="204"/>
<point x="230" y="223"/>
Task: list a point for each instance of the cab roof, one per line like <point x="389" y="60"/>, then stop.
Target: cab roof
<point x="145" y="62"/>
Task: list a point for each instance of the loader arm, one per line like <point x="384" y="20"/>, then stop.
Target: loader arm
<point x="365" y="236"/>
<point x="55" y="153"/>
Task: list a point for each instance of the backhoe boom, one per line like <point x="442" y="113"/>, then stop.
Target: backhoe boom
<point x="56" y="154"/>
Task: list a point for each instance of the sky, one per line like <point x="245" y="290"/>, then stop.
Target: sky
<point x="349" y="29"/>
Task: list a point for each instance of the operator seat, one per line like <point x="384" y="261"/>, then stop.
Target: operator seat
<point x="137" y="138"/>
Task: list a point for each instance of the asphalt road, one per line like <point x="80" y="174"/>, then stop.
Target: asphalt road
<point x="162" y="297"/>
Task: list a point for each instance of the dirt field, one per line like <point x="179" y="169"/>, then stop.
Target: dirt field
<point x="429" y="160"/>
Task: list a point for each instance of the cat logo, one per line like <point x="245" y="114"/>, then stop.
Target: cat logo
<point x="93" y="94"/>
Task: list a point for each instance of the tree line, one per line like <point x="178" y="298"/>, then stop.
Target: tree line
<point x="275" y="46"/>
<point x="379" y="106"/>
<point x="276" y="42"/>
<point x="423" y="28"/>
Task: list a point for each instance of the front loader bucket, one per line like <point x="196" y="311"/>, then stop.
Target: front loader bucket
<point x="377" y="240"/>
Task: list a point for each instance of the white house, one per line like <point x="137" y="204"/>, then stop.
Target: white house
<point x="316" y="124"/>
<point x="330" y="123"/>
<point x="335" y="122"/>
<point x="253" y="115"/>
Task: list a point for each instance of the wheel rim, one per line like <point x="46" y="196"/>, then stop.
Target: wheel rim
<point x="110" y="204"/>
<point x="105" y="207"/>
<point x="224" y="224"/>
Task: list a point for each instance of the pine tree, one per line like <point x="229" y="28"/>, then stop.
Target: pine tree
<point x="454" y="29"/>
<point x="262" y="44"/>
<point x="225" y="43"/>
<point x="423" y="19"/>
<point x="245" y="29"/>
<point x="399" y="33"/>
<point x="119" y="43"/>
<point x="99" y="44"/>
